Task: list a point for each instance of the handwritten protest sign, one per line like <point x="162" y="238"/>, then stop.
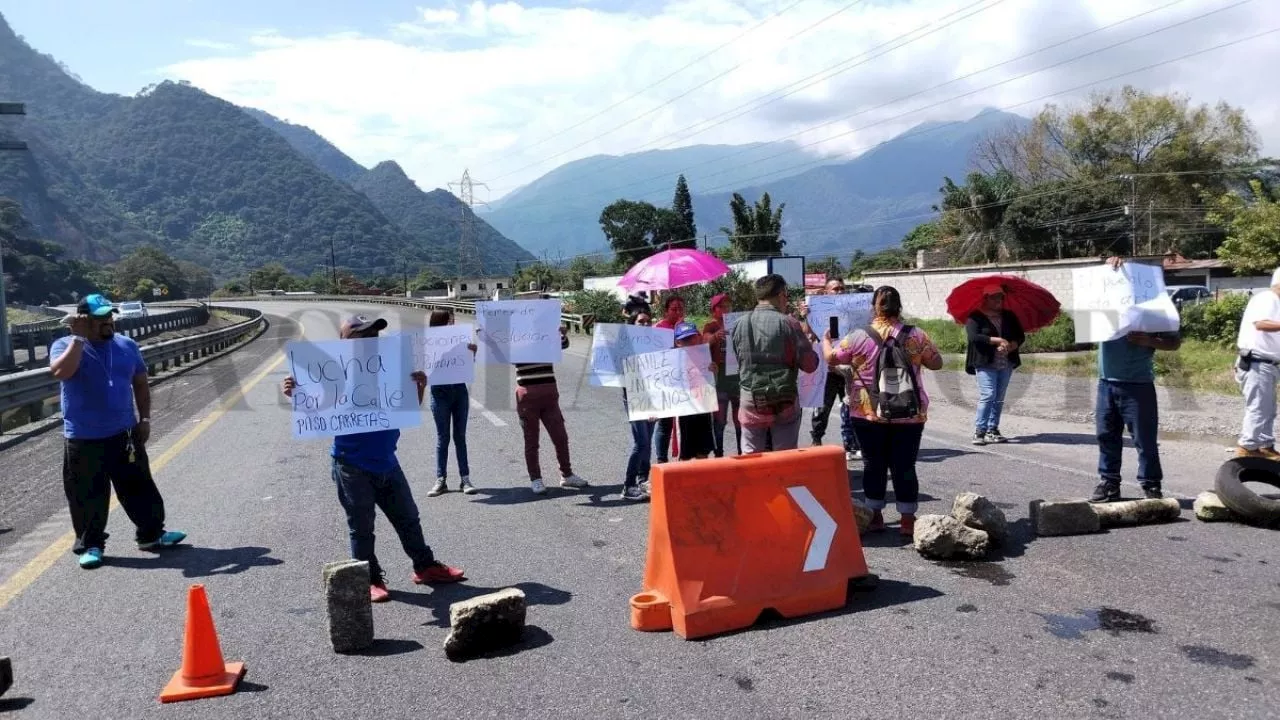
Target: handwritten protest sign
<point x="813" y="386"/>
<point x="851" y="311"/>
<point x="518" y="331"/>
<point x="612" y="343"/>
<point x="670" y="383"/>
<point x="352" y="386"/>
<point x="1109" y="304"/>
<point x="442" y="353"/>
<point x="731" y="357"/>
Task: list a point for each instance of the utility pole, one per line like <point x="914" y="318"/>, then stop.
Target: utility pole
<point x="6" y="347"/>
<point x="1132" y="211"/>
<point x="470" y="263"/>
<point x="333" y="267"/>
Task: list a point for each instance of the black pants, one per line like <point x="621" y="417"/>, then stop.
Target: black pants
<point x="89" y="469"/>
<point x="890" y="449"/>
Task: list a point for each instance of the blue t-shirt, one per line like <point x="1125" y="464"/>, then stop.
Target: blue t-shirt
<point x="97" y="402"/>
<point x="372" y="451"/>
<point x="1121" y="361"/>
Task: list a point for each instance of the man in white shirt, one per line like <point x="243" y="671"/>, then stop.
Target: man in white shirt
<point x="1257" y="372"/>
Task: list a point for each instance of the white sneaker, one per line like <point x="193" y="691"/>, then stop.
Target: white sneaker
<point x="851" y="456"/>
<point x="440" y="488"/>
<point x="572" y="481"/>
<point x="537" y="487"/>
<point x="466" y="486"/>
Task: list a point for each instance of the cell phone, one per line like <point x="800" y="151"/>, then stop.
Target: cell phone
<point x="835" y="327"/>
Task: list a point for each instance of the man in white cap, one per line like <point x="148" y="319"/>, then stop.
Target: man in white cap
<point x="1256" y="372"/>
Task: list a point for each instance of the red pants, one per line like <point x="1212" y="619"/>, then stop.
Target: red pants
<point x="541" y="404"/>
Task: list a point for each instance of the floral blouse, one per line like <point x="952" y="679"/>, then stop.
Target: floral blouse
<point x="860" y="351"/>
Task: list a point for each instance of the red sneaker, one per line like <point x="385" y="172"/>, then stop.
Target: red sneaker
<point x="378" y="592"/>
<point x="438" y="573"/>
<point x="907" y="527"/>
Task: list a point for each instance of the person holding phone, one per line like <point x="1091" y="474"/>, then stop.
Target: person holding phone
<point x="835" y="388"/>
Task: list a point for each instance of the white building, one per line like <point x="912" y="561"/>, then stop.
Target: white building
<point x="477" y="288"/>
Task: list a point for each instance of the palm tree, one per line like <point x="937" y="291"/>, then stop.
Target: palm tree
<point x="757" y="228"/>
<point x="974" y="214"/>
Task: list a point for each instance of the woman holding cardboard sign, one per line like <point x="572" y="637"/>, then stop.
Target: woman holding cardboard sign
<point x="450" y="406"/>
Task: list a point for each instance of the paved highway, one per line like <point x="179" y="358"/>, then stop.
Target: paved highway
<point x="1021" y="636"/>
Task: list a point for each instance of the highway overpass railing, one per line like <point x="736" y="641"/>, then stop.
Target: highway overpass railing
<point x="576" y="323"/>
<point x="30" y="389"/>
<point x="31" y="336"/>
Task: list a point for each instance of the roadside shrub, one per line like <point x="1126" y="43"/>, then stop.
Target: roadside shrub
<point x="601" y="304"/>
<point x="697" y="298"/>
<point x="1216" y="322"/>
<point x="1060" y="336"/>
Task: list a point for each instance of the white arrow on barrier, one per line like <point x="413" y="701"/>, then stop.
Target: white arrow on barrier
<point x="823" y="524"/>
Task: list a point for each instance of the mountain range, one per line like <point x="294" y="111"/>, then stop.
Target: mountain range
<point x="834" y="206"/>
<point x="213" y="183"/>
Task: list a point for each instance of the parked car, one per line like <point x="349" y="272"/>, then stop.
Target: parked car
<point x="1188" y="294"/>
<point x="133" y="308"/>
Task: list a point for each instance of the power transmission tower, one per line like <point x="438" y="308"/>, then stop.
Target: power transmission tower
<point x="470" y="263"/>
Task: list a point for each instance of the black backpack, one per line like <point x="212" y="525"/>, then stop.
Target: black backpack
<point x="895" y="391"/>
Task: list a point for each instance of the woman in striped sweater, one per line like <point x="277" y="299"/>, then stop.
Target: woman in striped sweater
<point x="538" y="401"/>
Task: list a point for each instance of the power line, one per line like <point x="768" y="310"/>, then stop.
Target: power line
<point x="797" y="87"/>
<point x="823" y="161"/>
<point x="710" y="80"/>
<point x="670" y="75"/>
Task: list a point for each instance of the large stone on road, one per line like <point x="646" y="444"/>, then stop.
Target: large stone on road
<point x="1063" y="517"/>
<point x="485" y="623"/>
<point x="980" y="513"/>
<point x="346" y="594"/>
<point x="862" y="515"/>
<point x="6" y="675"/>
<point x="1209" y="508"/>
<point x="942" y="537"/>
<point x="1147" y="511"/>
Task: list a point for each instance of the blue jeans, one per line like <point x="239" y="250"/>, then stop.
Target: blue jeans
<point x="1129" y="405"/>
<point x="992" y="386"/>
<point x="663" y="429"/>
<point x="450" y="405"/>
<point x="847" y="433"/>
<point x="641" y="451"/>
<point x="360" y="493"/>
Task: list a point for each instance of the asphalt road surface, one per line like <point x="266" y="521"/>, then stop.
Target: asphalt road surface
<point x="1178" y="620"/>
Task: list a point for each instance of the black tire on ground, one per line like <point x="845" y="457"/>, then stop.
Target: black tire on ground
<point x="1241" y="500"/>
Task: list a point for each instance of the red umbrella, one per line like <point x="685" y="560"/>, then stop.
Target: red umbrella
<point x="1034" y="306"/>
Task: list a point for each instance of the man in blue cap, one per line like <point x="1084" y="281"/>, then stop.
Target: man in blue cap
<point x="103" y="378"/>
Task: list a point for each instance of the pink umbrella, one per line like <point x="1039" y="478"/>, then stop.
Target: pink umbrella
<point x="671" y="269"/>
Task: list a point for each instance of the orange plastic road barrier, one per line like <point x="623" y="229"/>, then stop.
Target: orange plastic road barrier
<point x="732" y="537"/>
<point x="203" y="672"/>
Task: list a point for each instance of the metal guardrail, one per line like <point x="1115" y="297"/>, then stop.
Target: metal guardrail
<point x="32" y="388"/>
<point x="35" y="335"/>
<point x="577" y="323"/>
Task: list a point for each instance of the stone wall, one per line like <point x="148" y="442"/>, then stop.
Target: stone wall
<point x="925" y="291"/>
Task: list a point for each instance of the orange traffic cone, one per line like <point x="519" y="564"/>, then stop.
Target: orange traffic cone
<point x="203" y="673"/>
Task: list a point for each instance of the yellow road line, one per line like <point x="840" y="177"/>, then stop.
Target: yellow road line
<point x="21" y="580"/>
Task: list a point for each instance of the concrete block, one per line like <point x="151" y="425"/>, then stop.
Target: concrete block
<point x="980" y="513"/>
<point x="942" y="537"/>
<point x="484" y="623"/>
<point x="1063" y="517"/>
<point x="1209" y="508"/>
<point x="346" y="594"/>
<point x="1137" y="512"/>
<point x="862" y="515"/>
<point x="6" y="675"/>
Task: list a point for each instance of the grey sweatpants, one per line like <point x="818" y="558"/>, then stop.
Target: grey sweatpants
<point x="1259" y="387"/>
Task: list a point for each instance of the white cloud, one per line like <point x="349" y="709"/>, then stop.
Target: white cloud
<point x="204" y="44"/>
<point x="484" y="85"/>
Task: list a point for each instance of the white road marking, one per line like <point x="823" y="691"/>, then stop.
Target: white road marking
<point x="488" y="414"/>
<point x="824" y="527"/>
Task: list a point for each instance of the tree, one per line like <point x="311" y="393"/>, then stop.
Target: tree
<point x="972" y="215"/>
<point x="197" y="280"/>
<point x="757" y="228"/>
<point x="1253" y="230"/>
<point x="272" y="276"/>
<point x="1063" y="220"/>
<point x="682" y="206"/>
<point x="829" y="266"/>
<point x="427" y="279"/>
<point x="148" y="263"/>
<point x="637" y="229"/>
<point x="924" y="236"/>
